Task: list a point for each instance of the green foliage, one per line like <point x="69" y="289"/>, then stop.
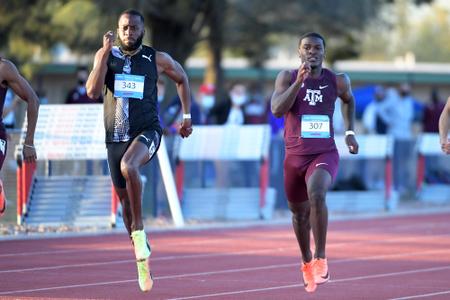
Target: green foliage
<point x="432" y="30"/>
<point x="80" y="25"/>
<point x="251" y="23"/>
<point x="405" y="27"/>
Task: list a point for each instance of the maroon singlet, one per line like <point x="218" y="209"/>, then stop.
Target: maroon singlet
<point x="317" y="96"/>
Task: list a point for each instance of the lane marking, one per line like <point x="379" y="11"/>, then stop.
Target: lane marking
<point x="330" y="282"/>
<point x="270" y="250"/>
<point x="256" y="251"/>
<point x="101" y="249"/>
<point x="423" y="295"/>
<point x="218" y="241"/>
<point x="276" y="266"/>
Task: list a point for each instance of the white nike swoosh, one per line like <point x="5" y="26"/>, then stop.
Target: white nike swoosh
<point x="322" y="87"/>
<point x="319" y="164"/>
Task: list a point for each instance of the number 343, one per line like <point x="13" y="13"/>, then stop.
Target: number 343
<point x="128" y="85"/>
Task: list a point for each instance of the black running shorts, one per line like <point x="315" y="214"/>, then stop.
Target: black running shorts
<point x="116" y="151"/>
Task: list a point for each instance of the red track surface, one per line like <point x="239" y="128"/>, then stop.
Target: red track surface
<point x="388" y="258"/>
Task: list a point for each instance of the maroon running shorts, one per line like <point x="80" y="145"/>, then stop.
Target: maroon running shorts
<point x="298" y="169"/>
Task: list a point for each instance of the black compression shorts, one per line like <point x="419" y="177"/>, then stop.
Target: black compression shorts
<point x="116" y="150"/>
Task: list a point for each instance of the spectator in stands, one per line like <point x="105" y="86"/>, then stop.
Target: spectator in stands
<point x="230" y="110"/>
<point x="256" y="109"/>
<point x="238" y="97"/>
<point x="78" y="94"/>
<point x="207" y="101"/>
<point x="432" y="112"/>
<point x="171" y="114"/>
<point x="434" y="171"/>
<point x="400" y="116"/>
<point x="375" y="117"/>
<point x="219" y="112"/>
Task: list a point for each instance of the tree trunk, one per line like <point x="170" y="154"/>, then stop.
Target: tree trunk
<point x="216" y="21"/>
<point x="173" y="38"/>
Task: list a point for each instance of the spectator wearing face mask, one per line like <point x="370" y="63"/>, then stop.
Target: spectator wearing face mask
<point x="171" y="113"/>
<point x="78" y="94"/>
<point x="238" y="97"/>
<point x="229" y="110"/>
<point x="206" y="101"/>
<point x="256" y="109"/>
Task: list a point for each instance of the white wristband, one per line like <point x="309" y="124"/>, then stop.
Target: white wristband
<point x="186" y="116"/>
<point x="28" y="146"/>
<point x="349" y="132"/>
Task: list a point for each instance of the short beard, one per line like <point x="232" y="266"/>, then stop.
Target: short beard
<point x="133" y="46"/>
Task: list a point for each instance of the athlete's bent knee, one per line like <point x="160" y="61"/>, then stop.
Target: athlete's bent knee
<point x="128" y="170"/>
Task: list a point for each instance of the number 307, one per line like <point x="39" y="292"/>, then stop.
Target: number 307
<point x="315" y="125"/>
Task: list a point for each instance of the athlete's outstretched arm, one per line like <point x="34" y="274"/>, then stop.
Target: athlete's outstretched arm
<point x="167" y="65"/>
<point x="348" y="110"/>
<point x="96" y="79"/>
<point x="22" y="88"/>
<point x="284" y="94"/>
<point x="444" y="124"/>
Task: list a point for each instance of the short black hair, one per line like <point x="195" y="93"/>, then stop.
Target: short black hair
<point x="132" y="12"/>
<point x="312" y="34"/>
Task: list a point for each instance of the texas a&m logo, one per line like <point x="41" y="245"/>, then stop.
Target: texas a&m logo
<point x="313" y="96"/>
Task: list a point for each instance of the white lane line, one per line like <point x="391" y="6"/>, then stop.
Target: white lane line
<point x="423" y="295"/>
<point x="164" y="258"/>
<point x="276" y="266"/>
<point x="68" y="286"/>
<point x="241" y="292"/>
<point x="114" y="262"/>
<point x="199" y="242"/>
<point x="156" y="278"/>
<point x="102" y="249"/>
<point x="299" y="285"/>
<point x="331" y="245"/>
<point x="270" y="250"/>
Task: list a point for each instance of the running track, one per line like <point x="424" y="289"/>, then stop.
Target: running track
<point x="384" y="258"/>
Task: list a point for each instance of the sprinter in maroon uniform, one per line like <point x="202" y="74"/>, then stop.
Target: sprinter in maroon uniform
<point x="10" y="78"/>
<point x="306" y="98"/>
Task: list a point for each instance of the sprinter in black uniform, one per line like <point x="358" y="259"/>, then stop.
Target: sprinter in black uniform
<point x="11" y="78"/>
<point x="126" y="76"/>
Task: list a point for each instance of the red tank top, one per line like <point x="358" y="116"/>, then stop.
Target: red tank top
<point x="313" y="108"/>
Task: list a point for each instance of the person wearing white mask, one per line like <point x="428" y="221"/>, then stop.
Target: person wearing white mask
<point x="78" y="94"/>
<point x="238" y="97"/>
